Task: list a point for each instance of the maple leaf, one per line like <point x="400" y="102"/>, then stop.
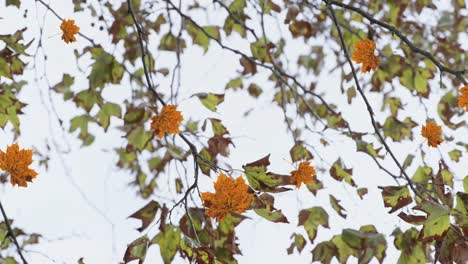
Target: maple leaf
<point x="229" y="196"/>
<point x="69" y="30"/>
<point x="303" y="174"/>
<point x="365" y="54"/>
<point x="167" y="121"/>
<point x="463" y="98"/>
<point x="432" y="132"/>
<point x="16" y="162"/>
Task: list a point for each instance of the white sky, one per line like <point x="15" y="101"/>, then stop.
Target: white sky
<point x="55" y="204"/>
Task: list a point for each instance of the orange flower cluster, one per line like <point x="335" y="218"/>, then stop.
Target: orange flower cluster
<point x="463" y="98"/>
<point x="16" y="162"/>
<point x="364" y="54"/>
<point x="167" y="121"/>
<point x="303" y="174"/>
<point x="432" y="132"/>
<point x="230" y="196"/>
<point x="69" y="30"/>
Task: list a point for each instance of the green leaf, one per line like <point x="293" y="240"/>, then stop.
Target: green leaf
<point x="105" y="70"/>
<point x="204" y="160"/>
<point x="455" y="155"/>
<point x="236" y="8"/>
<point x="137" y="250"/>
<point x="108" y="110"/>
<point x="422" y="174"/>
<point x="235" y="84"/>
<point x="263" y="206"/>
<point x="169" y="43"/>
<point x="344" y="251"/>
<point x="259" y="179"/>
<point x="299" y="243"/>
<point x="139" y="138"/>
<point x="396" y="197"/>
<point x="448" y="108"/>
<point x="168" y="241"/>
<point x="210" y="100"/>
<point x="315" y="186"/>
<point x="64" y="87"/>
<point x="82" y="122"/>
<point x="368" y="148"/>
<point x="367" y="241"/>
<point x="361" y="192"/>
<point x="340" y="173"/>
<point x="324" y="252"/>
<point x="146" y="214"/>
<point x="437" y="221"/>
<point x="311" y="218"/>
<point x="13" y="2"/>
<point x="261" y="50"/>
<point x="86" y="99"/>
<point x="398" y="130"/>
<point x="335" y="203"/>
<point x="299" y="152"/>
<point x="202" y="36"/>
<point x="412" y="250"/>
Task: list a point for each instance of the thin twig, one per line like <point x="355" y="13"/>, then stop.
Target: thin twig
<point x="366" y="101"/>
<point x="12" y="235"/>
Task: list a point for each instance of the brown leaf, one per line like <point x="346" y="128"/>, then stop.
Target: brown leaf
<point x="249" y="66"/>
<point x="146" y="214"/>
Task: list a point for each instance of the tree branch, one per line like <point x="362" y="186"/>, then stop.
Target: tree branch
<point x="457" y="73"/>
<point x="366" y="101"/>
<point x="11" y="234"/>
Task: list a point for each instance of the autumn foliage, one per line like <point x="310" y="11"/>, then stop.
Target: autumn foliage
<point x="167" y="121"/>
<point x="230" y="196"/>
<point x="365" y="53"/>
<point x="366" y="134"/>
<point x="69" y="30"/>
<point x="16" y="162"/>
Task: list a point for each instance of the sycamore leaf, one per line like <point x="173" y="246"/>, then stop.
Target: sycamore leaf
<point x="368" y="148"/>
<point x="210" y="100"/>
<point x="64" y="87"/>
<point x="261" y="180"/>
<point x="335" y="203"/>
<point x="422" y="174"/>
<point x="146" y="214"/>
<point x="263" y="206"/>
<point x="396" y="197"/>
<point x="340" y="173"/>
<point x="343" y="250"/>
<point x="299" y="243"/>
<point x="324" y="252"/>
<point x="455" y="155"/>
<point x="367" y="241"/>
<point x="299" y="152"/>
<point x="311" y="218"/>
<point x="412" y="250"/>
<point x="315" y="185"/>
<point x="168" y="240"/>
<point x="361" y="192"/>
<point x="106" y="111"/>
<point x="437" y="221"/>
<point x="137" y="250"/>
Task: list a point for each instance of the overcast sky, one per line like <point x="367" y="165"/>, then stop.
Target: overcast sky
<point x="81" y="204"/>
